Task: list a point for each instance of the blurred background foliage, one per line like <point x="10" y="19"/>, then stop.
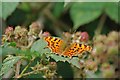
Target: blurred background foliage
<point x="57" y="17"/>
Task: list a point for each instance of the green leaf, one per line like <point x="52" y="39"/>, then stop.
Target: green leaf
<point x="8" y="8"/>
<point x="8" y="50"/>
<point x="12" y="50"/>
<point x="40" y="47"/>
<point x="112" y="11"/>
<point x="58" y="9"/>
<point x="12" y="44"/>
<point x="28" y="54"/>
<point x="8" y="63"/>
<point x="57" y="57"/>
<point x="83" y="13"/>
<point x="25" y="7"/>
<point x="74" y="61"/>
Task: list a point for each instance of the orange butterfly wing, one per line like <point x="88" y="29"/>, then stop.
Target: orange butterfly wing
<point x="75" y="49"/>
<point x="55" y="44"/>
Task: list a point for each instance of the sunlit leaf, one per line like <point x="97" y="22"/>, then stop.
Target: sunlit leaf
<point x="83" y="13"/>
<point x="40" y="46"/>
<point x="112" y="11"/>
<point x="75" y="61"/>
<point x="8" y="8"/>
<point x="57" y="57"/>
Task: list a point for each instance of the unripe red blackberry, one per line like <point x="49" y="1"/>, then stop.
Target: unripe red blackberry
<point x="45" y="34"/>
<point x="84" y="36"/>
<point x="9" y="30"/>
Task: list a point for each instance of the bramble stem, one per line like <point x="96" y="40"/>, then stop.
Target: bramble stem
<point x="33" y="72"/>
<point x="25" y="68"/>
<point x="17" y="68"/>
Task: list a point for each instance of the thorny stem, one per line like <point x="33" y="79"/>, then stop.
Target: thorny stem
<point x="33" y="72"/>
<point x="25" y="68"/>
<point x="100" y="25"/>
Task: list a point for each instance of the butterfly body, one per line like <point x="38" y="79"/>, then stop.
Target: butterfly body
<point x="58" y="46"/>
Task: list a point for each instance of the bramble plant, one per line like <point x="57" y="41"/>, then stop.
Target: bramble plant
<point x="25" y="53"/>
<point x="23" y="47"/>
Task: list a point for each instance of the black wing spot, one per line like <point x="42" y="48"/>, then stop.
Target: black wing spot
<point x="58" y="40"/>
<point x="74" y="47"/>
<point x="80" y="45"/>
<point x="50" y="38"/>
<point x="55" y="39"/>
<point x="71" y="49"/>
<point x="57" y="43"/>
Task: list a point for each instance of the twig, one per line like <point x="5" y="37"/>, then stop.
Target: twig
<point x="50" y="16"/>
<point x="17" y="68"/>
<point x="32" y="72"/>
<point x="25" y="68"/>
<point x="100" y="25"/>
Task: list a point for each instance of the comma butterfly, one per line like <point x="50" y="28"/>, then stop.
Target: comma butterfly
<point x="58" y="46"/>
